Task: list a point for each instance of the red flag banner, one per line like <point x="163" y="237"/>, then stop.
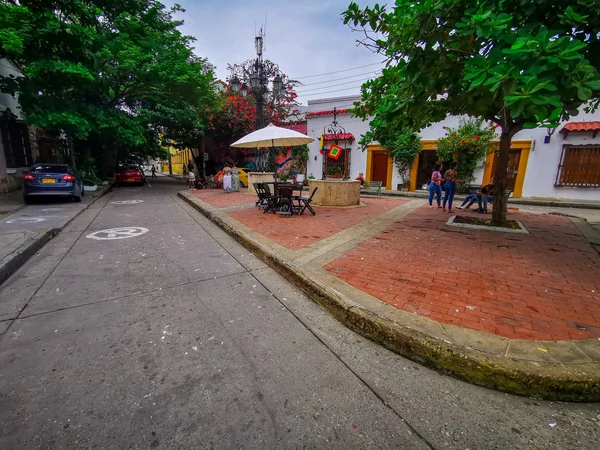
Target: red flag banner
<point x="335" y="151"/>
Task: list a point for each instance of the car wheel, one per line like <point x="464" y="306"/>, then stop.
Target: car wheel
<point x="77" y="198"/>
<point x="28" y="200"/>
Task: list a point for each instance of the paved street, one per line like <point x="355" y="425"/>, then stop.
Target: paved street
<point x="169" y="334"/>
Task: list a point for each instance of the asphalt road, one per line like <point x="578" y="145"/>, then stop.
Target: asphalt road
<point x="179" y="338"/>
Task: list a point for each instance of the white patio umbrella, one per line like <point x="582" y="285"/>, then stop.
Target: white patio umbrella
<point x="272" y="136"/>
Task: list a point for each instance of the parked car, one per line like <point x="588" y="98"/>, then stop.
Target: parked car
<point x="243" y="177"/>
<point x="52" y="179"/>
<point x="129" y="174"/>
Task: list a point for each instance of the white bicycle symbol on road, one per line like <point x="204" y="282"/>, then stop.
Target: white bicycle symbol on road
<point x="25" y="220"/>
<point x="127" y="202"/>
<point x="117" y="233"/>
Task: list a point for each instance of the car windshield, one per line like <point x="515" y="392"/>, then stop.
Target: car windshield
<point x="50" y="168"/>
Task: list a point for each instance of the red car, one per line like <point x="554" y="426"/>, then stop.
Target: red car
<point x="129" y="174"/>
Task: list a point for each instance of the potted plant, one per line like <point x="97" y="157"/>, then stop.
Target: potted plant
<point x="300" y="155"/>
<point x="284" y="175"/>
<point x="335" y="172"/>
<point x="407" y="185"/>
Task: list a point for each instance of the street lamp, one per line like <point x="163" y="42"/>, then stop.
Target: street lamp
<point x="263" y="80"/>
<point x="235" y="84"/>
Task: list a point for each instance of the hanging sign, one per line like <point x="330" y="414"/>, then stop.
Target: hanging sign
<point x="335" y="151"/>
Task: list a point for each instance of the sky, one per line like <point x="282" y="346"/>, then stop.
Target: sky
<point x="305" y="37"/>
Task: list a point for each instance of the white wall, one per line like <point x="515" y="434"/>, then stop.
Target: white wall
<point x="542" y="167"/>
<point x="358" y="159"/>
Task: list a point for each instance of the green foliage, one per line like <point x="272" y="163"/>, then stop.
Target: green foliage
<point x="119" y="73"/>
<point x="300" y="155"/>
<point x="517" y="63"/>
<point x="467" y="145"/>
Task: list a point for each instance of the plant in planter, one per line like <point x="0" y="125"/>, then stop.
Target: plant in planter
<point x="284" y="175"/>
<point x="335" y="172"/>
<point x="300" y="156"/>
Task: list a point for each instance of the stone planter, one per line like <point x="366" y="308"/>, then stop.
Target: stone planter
<point x="335" y="192"/>
<point x="258" y="177"/>
<point x="300" y="178"/>
<point x="90" y="188"/>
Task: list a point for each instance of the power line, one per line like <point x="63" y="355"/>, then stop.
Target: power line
<point x="343" y="78"/>
<point x="329" y="87"/>
<point x="327" y="92"/>
<point x="337" y="71"/>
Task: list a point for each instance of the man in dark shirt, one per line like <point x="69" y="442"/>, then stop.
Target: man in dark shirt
<point x="486" y="195"/>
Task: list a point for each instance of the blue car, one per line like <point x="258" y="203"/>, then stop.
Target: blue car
<point x="51" y="179"/>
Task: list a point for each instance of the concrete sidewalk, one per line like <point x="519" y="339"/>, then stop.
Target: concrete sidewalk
<point x="310" y="251"/>
<point x="24" y="229"/>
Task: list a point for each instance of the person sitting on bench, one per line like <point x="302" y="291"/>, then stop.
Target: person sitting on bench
<point x="486" y="195"/>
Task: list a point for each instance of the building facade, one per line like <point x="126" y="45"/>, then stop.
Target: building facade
<point x="565" y="165"/>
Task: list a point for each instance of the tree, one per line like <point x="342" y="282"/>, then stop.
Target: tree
<point x="517" y="63"/>
<point x="118" y="73"/>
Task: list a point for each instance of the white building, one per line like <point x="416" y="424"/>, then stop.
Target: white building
<point x="566" y="167"/>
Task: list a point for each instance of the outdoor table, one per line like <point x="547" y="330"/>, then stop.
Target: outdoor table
<point x="295" y="187"/>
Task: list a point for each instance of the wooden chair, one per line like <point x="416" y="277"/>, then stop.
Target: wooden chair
<point x="304" y="203"/>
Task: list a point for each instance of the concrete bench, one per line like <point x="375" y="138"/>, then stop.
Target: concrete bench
<point x="371" y="187"/>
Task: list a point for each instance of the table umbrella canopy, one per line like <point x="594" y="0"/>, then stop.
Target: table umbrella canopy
<point x="272" y="136"/>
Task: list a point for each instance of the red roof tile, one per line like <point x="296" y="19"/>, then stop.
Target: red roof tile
<point x="299" y="127"/>
<point x="328" y="112"/>
<point x="340" y="137"/>
<point x="581" y="126"/>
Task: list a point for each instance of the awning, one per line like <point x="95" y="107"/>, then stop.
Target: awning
<point x="339" y="137"/>
<point x="573" y="127"/>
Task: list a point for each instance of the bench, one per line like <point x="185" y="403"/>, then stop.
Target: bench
<point x="372" y="187"/>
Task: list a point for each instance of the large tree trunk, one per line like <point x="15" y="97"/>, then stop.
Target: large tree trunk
<point x="499" y="212"/>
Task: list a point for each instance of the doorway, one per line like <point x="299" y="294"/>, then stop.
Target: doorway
<point x="427" y="161"/>
<point x="379" y="168"/>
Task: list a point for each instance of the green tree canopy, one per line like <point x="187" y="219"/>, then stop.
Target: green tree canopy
<point x="116" y="71"/>
<point x="517" y="63"/>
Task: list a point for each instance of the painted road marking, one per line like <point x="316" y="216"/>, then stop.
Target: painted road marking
<point x="127" y="202"/>
<point x="25" y="220"/>
<point x="117" y="233"/>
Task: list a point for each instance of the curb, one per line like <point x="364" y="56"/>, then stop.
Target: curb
<point x="455" y="353"/>
<point x="30" y="248"/>
<point x="511" y="201"/>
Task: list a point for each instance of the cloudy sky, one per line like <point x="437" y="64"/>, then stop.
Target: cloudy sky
<point x="305" y="37"/>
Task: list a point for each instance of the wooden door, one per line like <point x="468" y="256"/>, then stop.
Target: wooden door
<point x="379" y="170"/>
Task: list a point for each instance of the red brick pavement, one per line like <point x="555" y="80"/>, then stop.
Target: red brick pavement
<point x="297" y="232"/>
<point x="219" y="199"/>
<point x="540" y="286"/>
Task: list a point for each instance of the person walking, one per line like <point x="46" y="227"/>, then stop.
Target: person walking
<point x="451" y="178"/>
<point x="435" y="186"/>
<point x="153" y="170"/>
<point x="235" y="179"/>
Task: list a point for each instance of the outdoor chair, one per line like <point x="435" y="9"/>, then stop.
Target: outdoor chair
<point x="285" y="196"/>
<point x="304" y="203"/>
<point x="265" y="199"/>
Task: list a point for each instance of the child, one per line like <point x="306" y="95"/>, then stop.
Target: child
<point x="184" y="171"/>
<point x="192" y="180"/>
<point x="435" y="188"/>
